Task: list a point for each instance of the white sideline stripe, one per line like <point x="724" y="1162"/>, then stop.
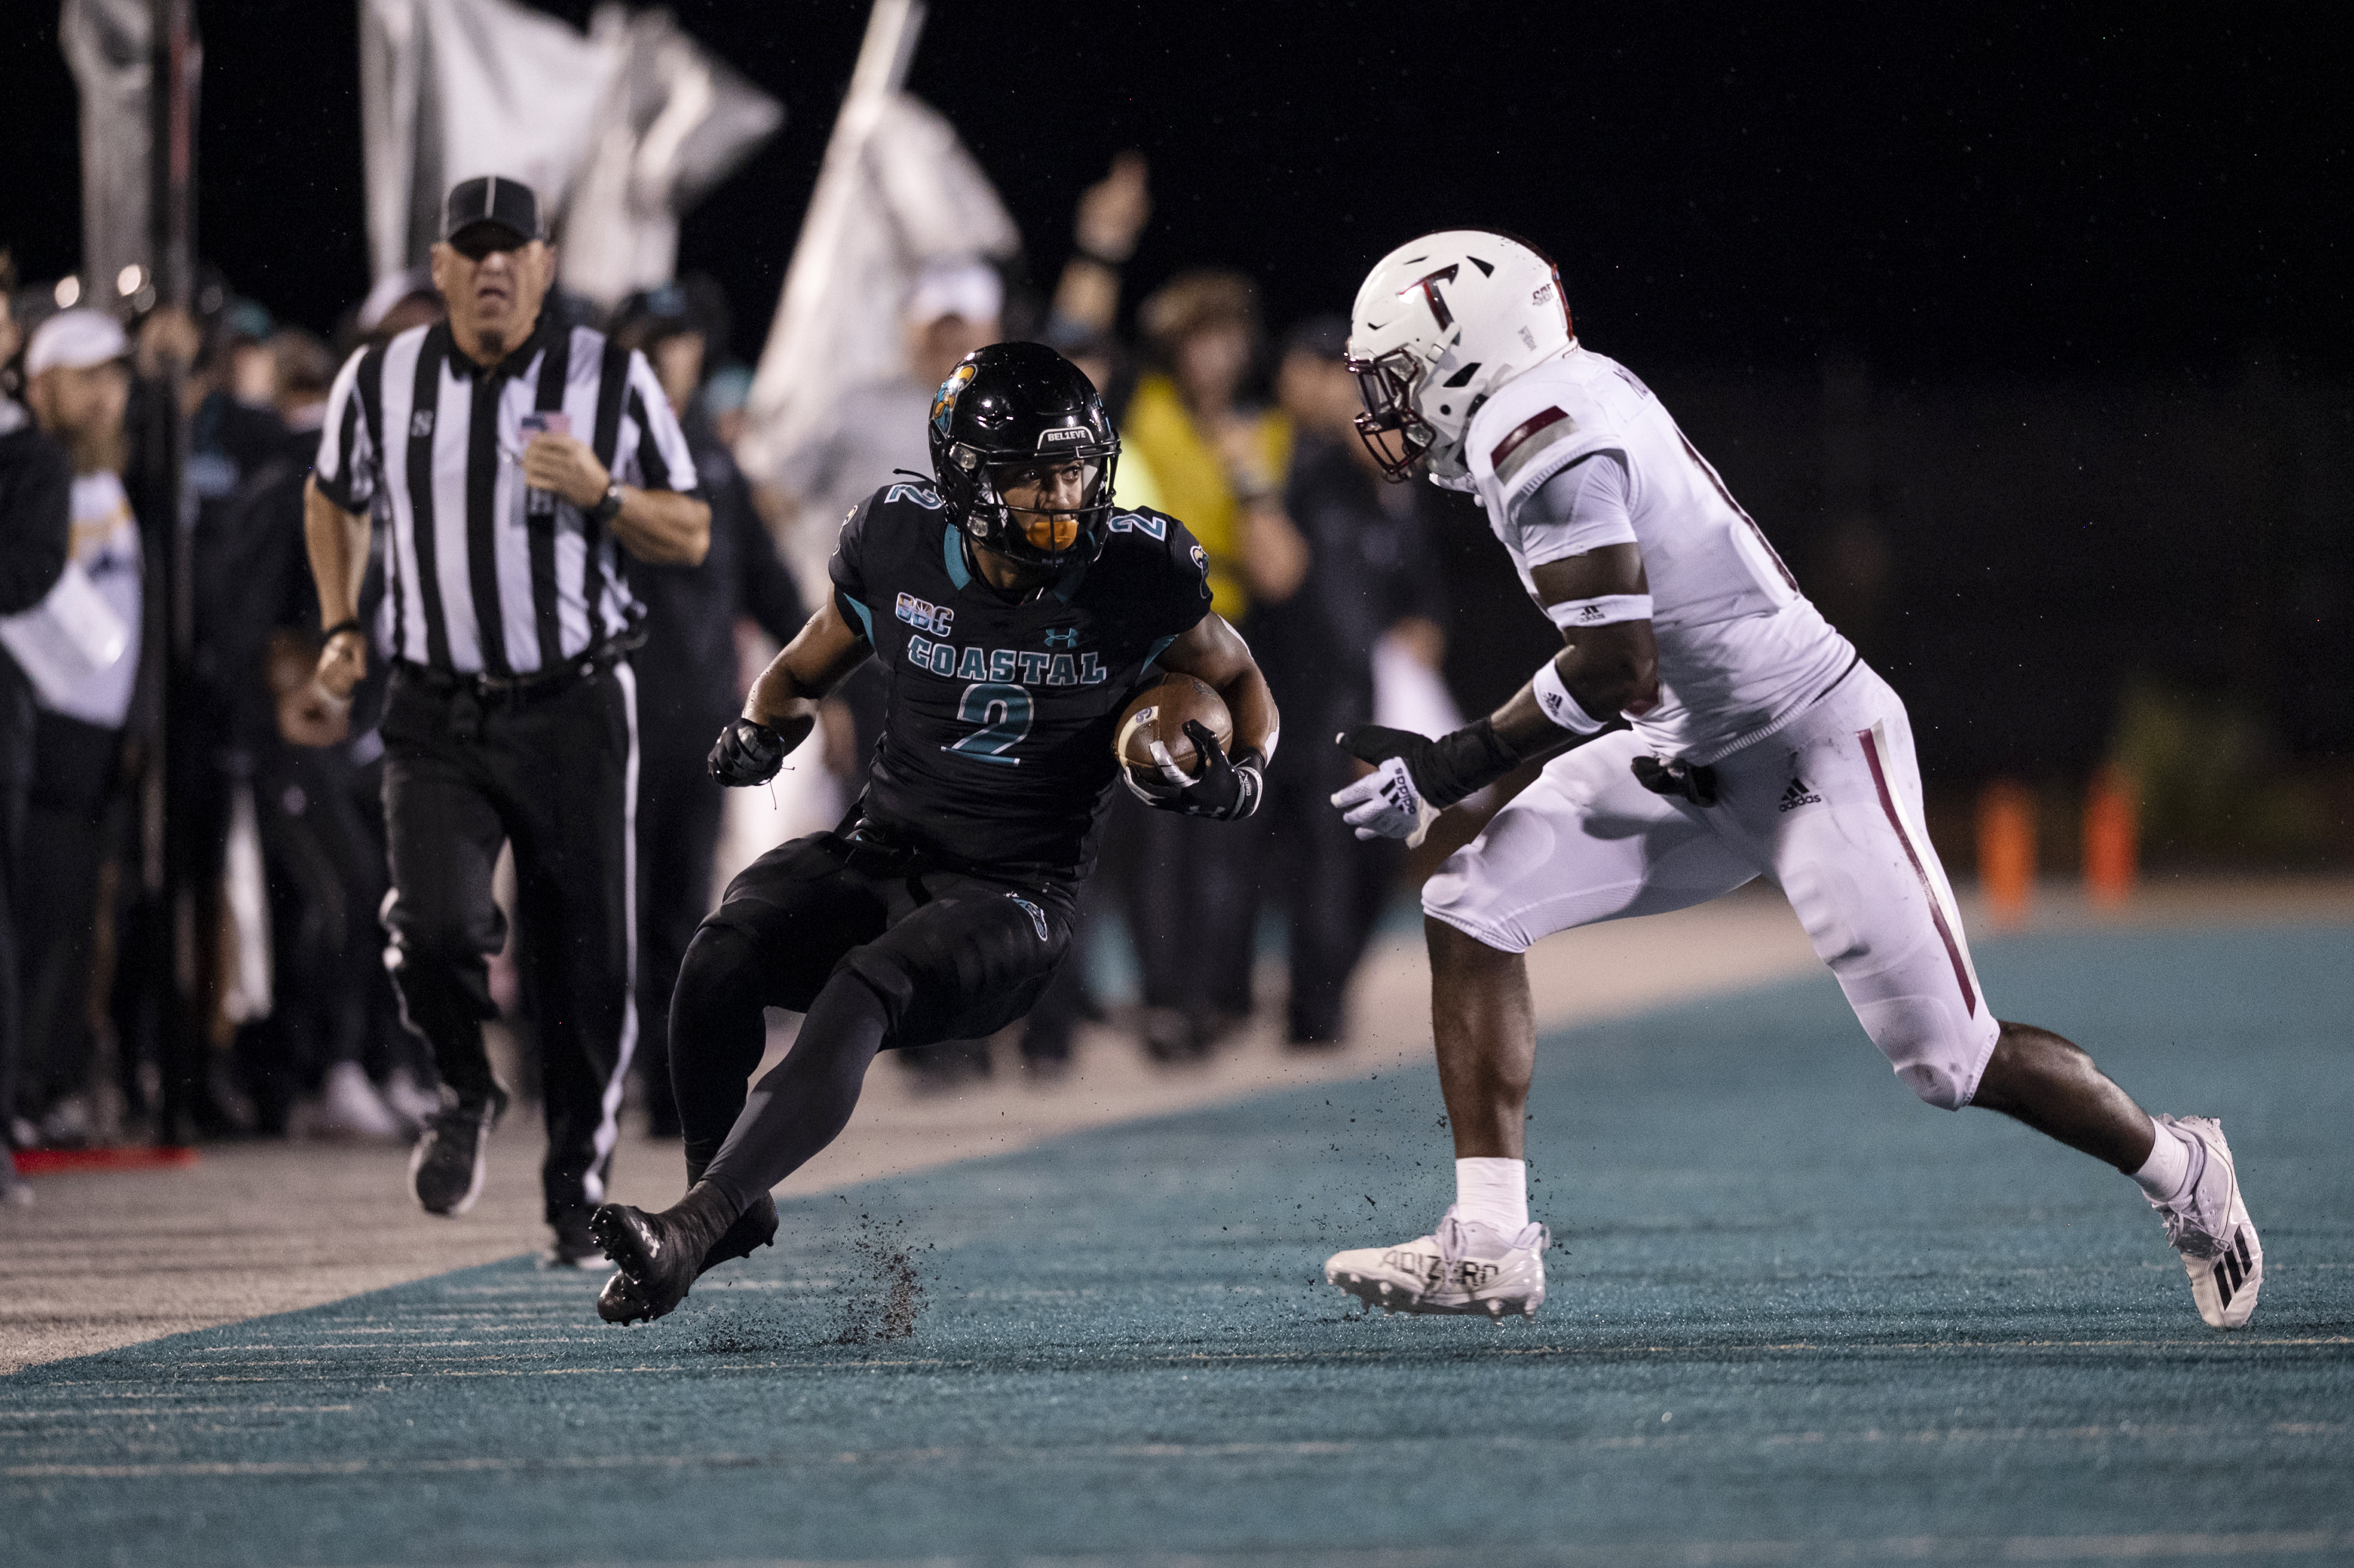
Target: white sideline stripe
<point x="994" y="1453"/>
<point x="2234" y="1342"/>
<point x="1631" y="1554"/>
<point x="608" y="1126"/>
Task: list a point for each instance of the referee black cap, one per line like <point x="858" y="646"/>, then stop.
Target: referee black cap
<point x="492" y="200"/>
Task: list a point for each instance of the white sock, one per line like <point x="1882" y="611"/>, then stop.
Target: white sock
<point x="2168" y="1170"/>
<point x="1493" y="1191"/>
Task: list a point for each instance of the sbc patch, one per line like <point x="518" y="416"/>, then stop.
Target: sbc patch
<point x="925" y="615"/>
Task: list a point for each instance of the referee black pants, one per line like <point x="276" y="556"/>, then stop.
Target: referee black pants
<point x="555" y="774"/>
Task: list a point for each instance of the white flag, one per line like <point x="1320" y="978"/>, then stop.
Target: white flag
<point x="897" y="191"/>
<point x="453" y="89"/>
<point x="675" y="123"/>
<point x="107" y="45"/>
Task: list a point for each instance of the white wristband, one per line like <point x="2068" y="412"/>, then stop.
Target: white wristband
<point x="1571" y="613"/>
<point x="1556" y="703"/>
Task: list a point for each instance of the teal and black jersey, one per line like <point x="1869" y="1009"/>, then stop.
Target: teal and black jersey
<point x="997" y="735"/>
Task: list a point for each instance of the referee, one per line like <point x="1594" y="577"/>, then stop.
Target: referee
<point x="511" y="459"/>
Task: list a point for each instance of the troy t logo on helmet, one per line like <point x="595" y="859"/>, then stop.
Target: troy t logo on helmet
<point x="1428" y="284"/>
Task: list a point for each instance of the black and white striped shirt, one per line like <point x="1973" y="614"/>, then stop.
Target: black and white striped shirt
<point x="481" y="575"/>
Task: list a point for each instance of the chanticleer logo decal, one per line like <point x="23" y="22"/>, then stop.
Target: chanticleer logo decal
<point x="944" y="400"/>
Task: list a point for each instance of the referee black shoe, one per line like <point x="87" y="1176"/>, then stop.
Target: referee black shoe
<point x="446" y="1171"/>
<point x="755" y="1228"/>
<point x="573" y="1247"/>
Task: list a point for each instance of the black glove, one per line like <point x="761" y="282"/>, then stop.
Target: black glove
<point x="1685" y="781"/>
<point x="1226" y="790"/>
<point x="748" y="753"/>
<point x="1444" y="771"/>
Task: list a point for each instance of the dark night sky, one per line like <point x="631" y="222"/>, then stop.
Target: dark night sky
<point x="2070" y="190"/>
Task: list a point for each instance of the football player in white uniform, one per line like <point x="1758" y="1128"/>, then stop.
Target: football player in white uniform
<point x="1755" y="743"/>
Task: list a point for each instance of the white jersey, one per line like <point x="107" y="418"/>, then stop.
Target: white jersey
<point x="1741" y="651"/>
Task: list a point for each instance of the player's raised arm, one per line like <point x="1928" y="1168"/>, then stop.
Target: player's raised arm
<point x="782" y="708"/>
<point x="1229" y="785"/>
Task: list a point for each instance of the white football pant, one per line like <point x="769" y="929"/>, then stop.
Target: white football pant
<point x="1828" y="808"/>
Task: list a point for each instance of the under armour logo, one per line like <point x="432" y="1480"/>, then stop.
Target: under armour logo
<point x="1038" y="916"/>
<point x="1063" y="637"/>
<point x="421" y="424"/>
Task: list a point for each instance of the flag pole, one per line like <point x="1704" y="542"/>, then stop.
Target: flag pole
<point x="169" y="857"/>
<point x="891" y="30"/>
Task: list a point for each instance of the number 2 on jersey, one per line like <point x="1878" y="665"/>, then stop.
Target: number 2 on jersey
<point x="1003" y="714"/>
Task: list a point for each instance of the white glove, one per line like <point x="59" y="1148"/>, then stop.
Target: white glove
<point x="1385" y="804"/>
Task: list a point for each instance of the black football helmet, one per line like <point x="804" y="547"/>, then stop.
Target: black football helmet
<point x="1012" y="411"/>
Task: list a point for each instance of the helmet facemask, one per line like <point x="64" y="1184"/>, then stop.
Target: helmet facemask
<point x="1072" y="526"/>
<point x="1393" y="428"/>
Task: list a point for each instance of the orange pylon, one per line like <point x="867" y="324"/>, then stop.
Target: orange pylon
<point x="2006" y="849"/>
<point x="2112" y="838"/>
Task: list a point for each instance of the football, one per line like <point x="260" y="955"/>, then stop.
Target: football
<point x="1161" y="713"/>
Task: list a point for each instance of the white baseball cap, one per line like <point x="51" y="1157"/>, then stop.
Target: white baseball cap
<point x="76" y="340"/>
<point x="961" y="288"/>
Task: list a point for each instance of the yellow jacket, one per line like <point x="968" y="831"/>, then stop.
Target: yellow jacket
<point x="1190" y="483"/>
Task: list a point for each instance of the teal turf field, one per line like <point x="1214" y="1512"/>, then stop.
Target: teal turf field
<point x="1797" y="1317"/>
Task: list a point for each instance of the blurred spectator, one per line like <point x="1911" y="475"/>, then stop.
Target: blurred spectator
<point x="1370" y="574"/>
<point x="332" y="1058"/>
<point x="397" y="303"/>
<point x="953" y="309"/>
<point x="205" y="767"/>
<point x="36" y="521"/>
<point x="1217" y="463"/>
<point x="77" y="388"/>
<point x="724" y="395"/>
<point x="687" y="679"/>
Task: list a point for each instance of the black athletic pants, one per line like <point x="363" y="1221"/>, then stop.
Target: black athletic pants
<point x="1191" y="910"/>
<point x="76" y="780"/>
<point x="15" y="790"/>
<point x="678" y="833"/>
<point x="554" y="772"/>
<point x="1330" y="887"/>
<point x="878" y="948"/>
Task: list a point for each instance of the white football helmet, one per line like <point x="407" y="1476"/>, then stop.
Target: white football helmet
<point x="1440" y="324"/>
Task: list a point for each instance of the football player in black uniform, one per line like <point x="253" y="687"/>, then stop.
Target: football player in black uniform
<point x="1015" y="610"/>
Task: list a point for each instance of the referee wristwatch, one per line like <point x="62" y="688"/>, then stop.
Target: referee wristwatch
<point x="608" y="505"/>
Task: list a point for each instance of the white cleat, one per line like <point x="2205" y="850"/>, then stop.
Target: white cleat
<point x="2208" y="1225"/>
<point x="1470" y="1269"/>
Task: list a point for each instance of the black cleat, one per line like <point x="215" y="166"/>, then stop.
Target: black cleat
<point x="624" y="1301"/>
<point x="619" y="1302"/>
<point x="755" y="1228"/>
<point x="657" y="1256"/>
<point x="446" y="1171"/>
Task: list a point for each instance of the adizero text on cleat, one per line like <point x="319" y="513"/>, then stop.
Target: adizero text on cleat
<point x="657" y="1268"/>
<point x="2209" y="1226"/>
<point x="1462" y="1268"/>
